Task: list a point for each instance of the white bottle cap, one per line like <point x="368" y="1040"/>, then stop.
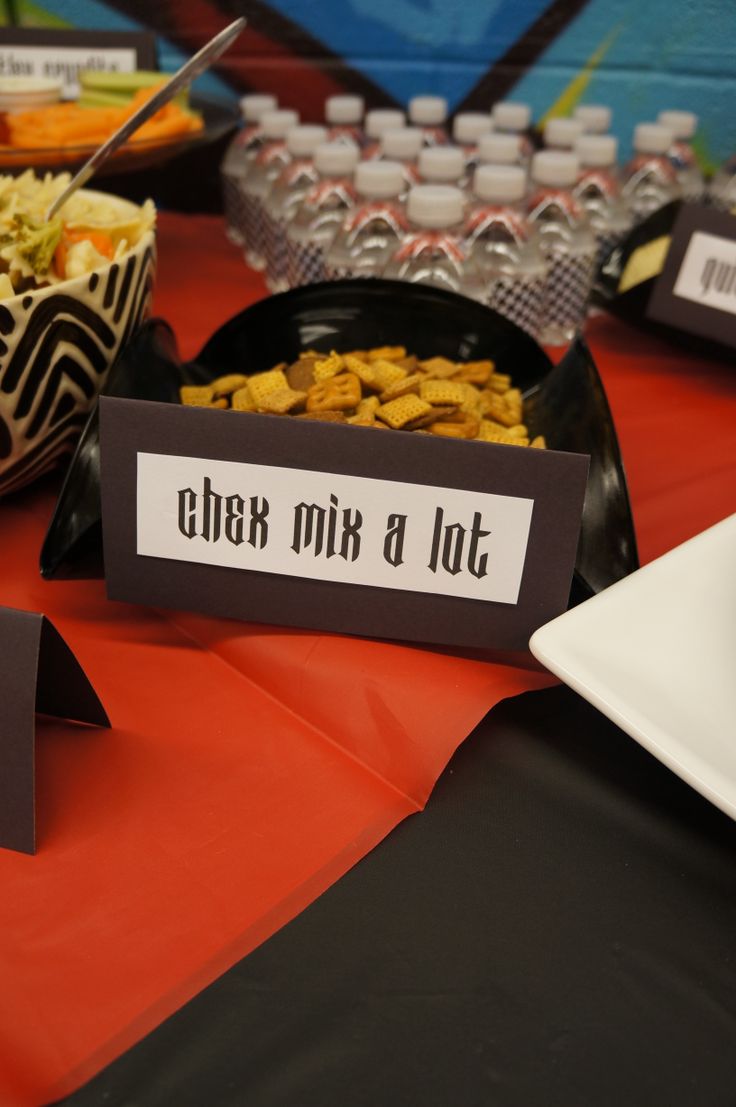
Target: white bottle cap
<point x="683" y="124"/>
<point x="499" y="184"/>
<point x="344" y="109"/>
<point x="500" y="149"/>
<point x="469" y="126"/>
<point x="557" y="168"/>
<point x="652" y="138"/>
<point x="383" y="119"/>
<point x="596" y="118"/>
<point x="379" y="180"/>
<point x="336" y="159"/>
<point x="428" y="111"/>
<point x="561" y="132"/>
<point x="402" y="142"/>
<point x="508" y="115"/>
<point x="435" y="205"/>
<point x="441" y="163"/>
<point x="302" y="141"/>
<point x="275" y="124"/>
<point x="255" y="104"/>
<point x="596" y="151"/>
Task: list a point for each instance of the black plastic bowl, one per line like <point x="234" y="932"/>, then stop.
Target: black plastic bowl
<point x="565" y="403"/>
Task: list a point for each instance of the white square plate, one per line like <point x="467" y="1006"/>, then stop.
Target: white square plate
<point x="656" y="653"/>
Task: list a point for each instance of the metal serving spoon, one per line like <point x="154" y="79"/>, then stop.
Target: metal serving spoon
<point x="193" y="68"/>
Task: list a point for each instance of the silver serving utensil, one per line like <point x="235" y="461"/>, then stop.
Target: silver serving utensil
<point x="191" y="69"/>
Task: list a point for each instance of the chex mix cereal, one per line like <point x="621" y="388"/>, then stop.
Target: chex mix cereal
<point x="385" y="388"/>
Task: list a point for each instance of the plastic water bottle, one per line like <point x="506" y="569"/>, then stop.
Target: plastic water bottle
<point x="598" y="189"/>
<point x="430" y="113"/>
<point x="442" y="165"/>
<point x="344" y="118"/>
<point x="650" y="180"/>
<point x="376" y="123"/>
<point x="501" y="149"/>
<point x="321" y="212"/>
<point x="683" y="125"/>
<point x="504" y="248"/>
<point x="468" y="127"/>
<point x="566" y="242"/>
<point x="433" y="251"/>
<point x="374" y="228"/>
<point x="284" y="197"/>
<point x="238" y="159"/>
<point x="561" y="133"/>
<point x="402" y="145"/>
<point x="268" y="163"/>
<point x="722" y="189"/>
<point x="596" y="118"/>
<point x="512" y="117"/>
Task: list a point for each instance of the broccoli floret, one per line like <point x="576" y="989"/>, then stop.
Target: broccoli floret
<point x="37" y="241"/>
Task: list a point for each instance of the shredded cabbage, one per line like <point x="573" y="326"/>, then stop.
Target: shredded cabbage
<point x="28" y="242"/>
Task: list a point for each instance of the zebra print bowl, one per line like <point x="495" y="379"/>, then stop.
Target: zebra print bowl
<point x="56" y="347"/>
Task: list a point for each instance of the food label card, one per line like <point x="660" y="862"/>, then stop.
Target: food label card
<point x="60" y="54"/>
<point x="338" y="528"/>
<point x="696" y="291"/>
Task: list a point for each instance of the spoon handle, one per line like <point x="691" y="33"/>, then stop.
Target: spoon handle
<point x="191" y="69"/>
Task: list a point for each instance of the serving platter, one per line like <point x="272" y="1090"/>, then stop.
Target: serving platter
<point x="218" y="118"/>
<point x="655" y="653"/>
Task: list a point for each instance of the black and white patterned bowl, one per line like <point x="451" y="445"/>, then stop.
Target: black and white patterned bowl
<point x="56" y="347"/>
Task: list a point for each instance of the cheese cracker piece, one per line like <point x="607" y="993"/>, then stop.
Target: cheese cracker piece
<point x="328" y="367"/>
<point x="499" y="382"/>
<point x="439" y="367"/>
<point x="402" y="388"/>
<point x="386" y="374"/>
<point x="361" y="368"/>
<point x="430" y="416"/>
<point x="335" y="394"/>
<point x="443" y="392"/>
<point x="489" y="433"/>
<point x="260" y="384"/>
<point x="231" y="382"/>
<point x="387" y="353"/>
<point x="514" y="403"/>
<point x="539" y="442"/>
<point x="282" y="401"/>
<point x="194" y="395"/>
<point x="368" y="406"/>
<point x="468" y="428"/>
<point x="499" y="412"/>
<point x="242" y="400"/>
<point x="397" y="413"/>
<point x="474" y="372"/>
<point x="361" y="420"/>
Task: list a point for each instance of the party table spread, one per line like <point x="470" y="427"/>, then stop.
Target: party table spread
<point x="179" y="848"/>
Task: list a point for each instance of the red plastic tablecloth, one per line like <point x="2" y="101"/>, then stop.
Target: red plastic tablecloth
<point x="214" y="810"/>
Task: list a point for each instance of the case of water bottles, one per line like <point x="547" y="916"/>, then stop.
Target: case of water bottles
<point x="518" y="218"/>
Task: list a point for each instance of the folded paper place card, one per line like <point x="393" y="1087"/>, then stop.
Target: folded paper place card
<point x="696" y="290"/>
<point x="40" y="673"/>
<point x="336" y="528"/>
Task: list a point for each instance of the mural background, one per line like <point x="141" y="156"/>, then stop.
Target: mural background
<point x="637" y="57"/>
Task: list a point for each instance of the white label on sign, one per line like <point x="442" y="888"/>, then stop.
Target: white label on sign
<point x="326" y="526"/>
<point x="708" y="272"/>
<point x="64" y="62"/>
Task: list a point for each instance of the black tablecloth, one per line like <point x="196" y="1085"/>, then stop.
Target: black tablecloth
<point x="556" y="929"/>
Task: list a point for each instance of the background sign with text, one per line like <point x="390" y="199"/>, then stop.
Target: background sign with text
<point x="696" y="290"/>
